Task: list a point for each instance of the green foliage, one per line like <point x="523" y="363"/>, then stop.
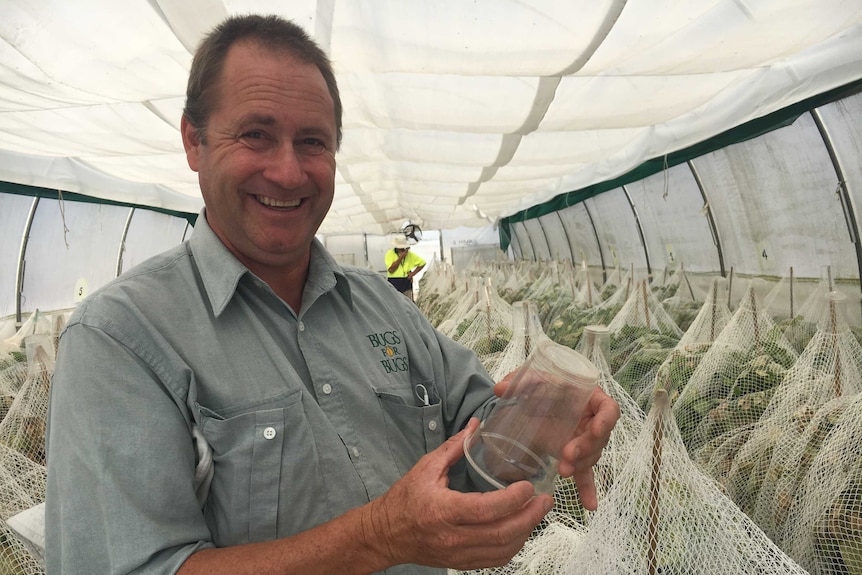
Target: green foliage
<point x="13" y="358"/>
<point x="639" y="364"/>
<point x="681" y="364"/>
<point x="494" y="342"/>
<point x="838" y="536"/>
<point x="741" y="374"/>
<point x="683" y="313"/>
<point x="631" y="338"/>
<point x="567" y="328"/>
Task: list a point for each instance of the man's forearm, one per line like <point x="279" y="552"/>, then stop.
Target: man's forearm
<point x="394" y="265"/>
<point x="346" y="545"/>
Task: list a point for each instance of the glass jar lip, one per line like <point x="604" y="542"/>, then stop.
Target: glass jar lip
<point x="565" y="363"/>
<point x="596" y="328"/>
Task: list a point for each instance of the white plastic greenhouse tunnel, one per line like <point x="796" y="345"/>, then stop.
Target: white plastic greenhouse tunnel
<point x="682" y="178"/>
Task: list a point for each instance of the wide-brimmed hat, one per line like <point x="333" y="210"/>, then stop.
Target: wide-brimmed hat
<point x="399" y="241"/>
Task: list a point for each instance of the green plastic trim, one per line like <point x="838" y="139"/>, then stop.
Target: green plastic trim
<point x="54" y="194"/>
<point x="747" y="131"/>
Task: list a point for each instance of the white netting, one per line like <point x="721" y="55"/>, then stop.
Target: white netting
<point x="36" y="323"/>
<point x="13" y="358"/>
<point x="22" y="487"/>
<point x="679" y="297"/>
<point x="553" y="290"/>
<point x="15" y="557"/>
<point x="437" y="282"/>
<point x="526" y="334"/>
<point x="794" y="313"/>
<point x="615" y="280"/>
<point x="764" y="474"/>
<point x="547" y="552"/>
<point x="588" y="292"/>
<point x="486" y="328"/>
<point x="557" y="297"/>
<point x="642" y="336"/>
<point x="663" y="516"/>
<point x="676" y="368"/>
<point x="594" y="346"/>
<point x="567" y="503"/>
<point x="664" y="284"/>
<point x="737" y="289"/>
<point x="26" y="365"/>
<point x="520" y="277"/>
<point x="567" y="327"/>
<point x="465" y="295"/>
<point x="552" y="545"/>
<point x="734" y="381"/>
<point x="23" y="427"/>
<point x="824" y="528"/>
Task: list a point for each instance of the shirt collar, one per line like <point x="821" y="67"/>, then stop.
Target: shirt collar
<point x="324" y="274"/>
<point x="221" y="272"/>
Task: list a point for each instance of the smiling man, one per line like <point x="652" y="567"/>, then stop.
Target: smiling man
<point x="265" y="159"/>
<point x="250" y="347"/>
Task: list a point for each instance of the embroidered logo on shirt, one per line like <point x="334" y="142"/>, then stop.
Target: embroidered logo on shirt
<point x="387" y="344"/>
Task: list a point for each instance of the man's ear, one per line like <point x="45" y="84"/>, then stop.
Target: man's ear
<point x="191" y="142"/>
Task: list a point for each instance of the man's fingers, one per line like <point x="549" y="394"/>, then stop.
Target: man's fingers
<point x="445" y="456"/>
<point x="501" y="386"/>
<point x="607" y="412"/>
<point x="481" y="508"/>
<point x="586" y="483"/>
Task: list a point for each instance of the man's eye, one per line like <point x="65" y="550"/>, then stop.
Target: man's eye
<point x="253" y="135"/>
<point x="312" y="146"/>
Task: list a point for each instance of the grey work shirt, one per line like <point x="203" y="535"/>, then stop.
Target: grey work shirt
<point x="308" y="415"/>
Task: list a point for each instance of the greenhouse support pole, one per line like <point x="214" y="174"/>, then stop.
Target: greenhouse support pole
<point x="122" y="247"/>
<point x="516" y="240"/>
<point x="710" y="218"/>
<point x="365" y="247"/>
<point x="598" y="243"/>
<point x="545" y="235"/>
<point x="532" y="247"/>
<point x="22" y="261"/>
<point x="640" y="231"/>
<point x="842" y="191"/>
<point x="568" y="239"/>
<point x="440" y="239"/>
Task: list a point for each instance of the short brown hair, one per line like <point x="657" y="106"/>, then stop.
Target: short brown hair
<point x="271" y="32"/>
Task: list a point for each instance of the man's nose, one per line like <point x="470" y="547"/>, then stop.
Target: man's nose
<point x="285" y="167"/>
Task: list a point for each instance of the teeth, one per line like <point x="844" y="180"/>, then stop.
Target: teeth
<point x="277" y="203"/>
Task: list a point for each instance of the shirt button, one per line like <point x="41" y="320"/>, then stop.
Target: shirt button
<point x="301" y="326"/>
<point x="327" y="389"/>
<point x="432" y="425"/>
<point x="269" y="433"/>
<point x="355" y="452"/>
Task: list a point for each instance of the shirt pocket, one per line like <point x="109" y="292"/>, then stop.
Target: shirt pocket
<point x="252" y="449"/>
<point x="413" y="425"/>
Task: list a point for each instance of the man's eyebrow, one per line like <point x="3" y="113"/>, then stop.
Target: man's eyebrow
<point x="263" y="119"/>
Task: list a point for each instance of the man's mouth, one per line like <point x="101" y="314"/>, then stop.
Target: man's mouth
<point x="278" y="204"/>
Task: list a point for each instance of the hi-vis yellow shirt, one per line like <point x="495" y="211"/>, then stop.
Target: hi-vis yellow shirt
<point x="408" y="263"/>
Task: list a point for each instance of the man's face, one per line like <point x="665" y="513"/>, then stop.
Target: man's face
<point x="266" y="165"/>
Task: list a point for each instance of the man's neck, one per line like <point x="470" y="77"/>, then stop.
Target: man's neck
<point x="288" y="283"/>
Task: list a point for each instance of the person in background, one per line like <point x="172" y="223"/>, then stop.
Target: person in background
<point x="402" y="265"/>
<point x="244" y="404"/>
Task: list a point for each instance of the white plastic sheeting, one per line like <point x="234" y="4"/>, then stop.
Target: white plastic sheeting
<point x="789" y="198"/>
<point x="456" y="112"/>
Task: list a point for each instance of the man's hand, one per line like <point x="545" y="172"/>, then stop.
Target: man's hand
<point x="583" y="450"/>
<point x="420" y="520"/>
